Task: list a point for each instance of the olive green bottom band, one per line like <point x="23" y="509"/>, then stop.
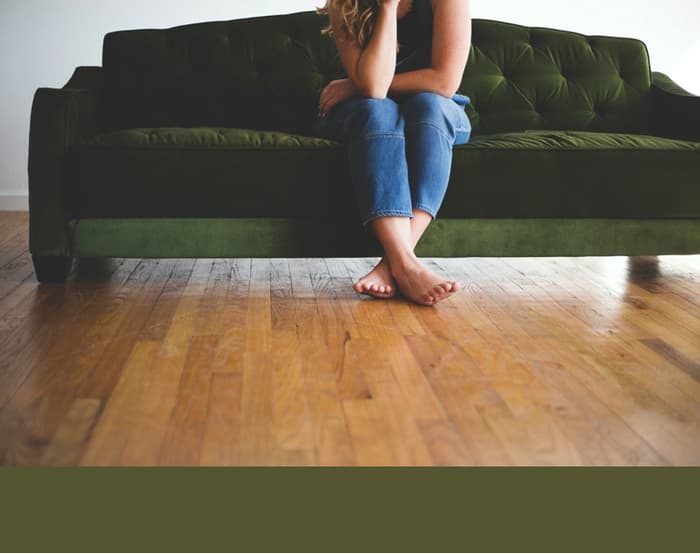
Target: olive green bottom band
<point x="263" y="238"/>
<point x="349" y="509"/>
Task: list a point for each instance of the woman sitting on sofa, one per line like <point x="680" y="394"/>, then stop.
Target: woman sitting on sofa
<point x="398" y="113"/>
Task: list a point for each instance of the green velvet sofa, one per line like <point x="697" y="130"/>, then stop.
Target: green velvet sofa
<point x="197" y="141"/>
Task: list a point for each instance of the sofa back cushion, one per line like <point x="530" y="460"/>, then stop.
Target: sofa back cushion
<point x="533" y="78"/>
<point x="267" y="73"/>
<point x="258" y="73"/>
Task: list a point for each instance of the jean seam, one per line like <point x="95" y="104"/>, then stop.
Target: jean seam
<point x="439" y="129"/>
<point x="372" y="136"/>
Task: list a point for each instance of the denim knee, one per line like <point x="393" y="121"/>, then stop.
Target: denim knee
<point x="430" y="108"/>
<point x="373" y="117"/>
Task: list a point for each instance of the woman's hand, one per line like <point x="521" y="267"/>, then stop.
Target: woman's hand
<point x="335" y="92"/>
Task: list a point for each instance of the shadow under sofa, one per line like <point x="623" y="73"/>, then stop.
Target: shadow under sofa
<point x="196" y="141"/>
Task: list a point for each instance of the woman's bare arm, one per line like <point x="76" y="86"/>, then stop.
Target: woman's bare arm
<point x="451" y="44"/>
<point x="371" y="69"/>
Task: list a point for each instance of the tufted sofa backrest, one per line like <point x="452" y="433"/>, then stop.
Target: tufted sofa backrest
<point x="267" y="73"/>
<point x="531" y="78"/>
<point x="257" y="73"/>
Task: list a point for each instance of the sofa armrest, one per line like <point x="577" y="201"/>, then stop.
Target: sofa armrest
<point x="58" y="118"/>
<point x="85" y="77"/>
<point x="675" y="112"/>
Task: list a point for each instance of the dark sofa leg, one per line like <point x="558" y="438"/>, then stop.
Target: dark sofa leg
<point x="643" y="266"/>
<point x="51" y="269"/>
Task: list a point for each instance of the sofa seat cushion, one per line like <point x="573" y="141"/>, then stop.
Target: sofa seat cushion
<point x="207" y="172"/>
<point x="574" y="174"/>
<point x="202" y="137"/>
<point x="224" y="172"/>
<point x="579" y="140"/>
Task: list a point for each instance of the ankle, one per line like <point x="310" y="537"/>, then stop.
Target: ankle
<point x="400" y="266"/>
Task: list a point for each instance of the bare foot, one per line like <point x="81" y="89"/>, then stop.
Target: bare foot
<point x="378" y="282"/>
<point x="421" y="285"/>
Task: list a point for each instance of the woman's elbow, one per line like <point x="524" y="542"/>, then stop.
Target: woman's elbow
<point x="449" y="88"/>
<point x="372" y="90"/>
<point x="447" y="82"/>
<point x="376" y="93"/>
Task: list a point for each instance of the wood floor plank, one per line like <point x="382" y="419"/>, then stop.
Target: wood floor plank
<point x="148" y="395"/>
<point x="13" y="245"/>
<point x="691" y="367"/>
<point x="11" y="297"/>
<point x="223" y="421"/>
<point x="122" y="415"/>
<point x="31" y="327"/>
<point x="212" y="302"/>
<point x="53" y="370"/>
<point x="182" y="443"/>
<point x="366" y="421"/>
<point x="377" y="325"/>
<point x="609" y="374"/>
<point x="405" y="439"/>
<point x="139" y="313"/>
<point x="69" y="440"/>
<point x="16" y="274"/>
<point x="256" y="439"/>
<point x="623" y="335"/>
<point x="292" y="423"/>
<point x="326" y="329"/>
<point x="233" y="326"/>
<point x="258" y="319"/>
<point x="579" y="348"/>
<point x="575" y="405"/>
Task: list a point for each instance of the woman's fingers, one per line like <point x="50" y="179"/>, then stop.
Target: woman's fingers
<point x="326" y="104"/>
<point x="327" y="108"/>
<point x="322" y="102"/>
<point x="332" y="94"/>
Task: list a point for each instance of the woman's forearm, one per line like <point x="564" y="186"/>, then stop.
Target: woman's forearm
<point x="377" y="63"/>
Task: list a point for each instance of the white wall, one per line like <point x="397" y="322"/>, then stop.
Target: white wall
<point x="42" y="41"/>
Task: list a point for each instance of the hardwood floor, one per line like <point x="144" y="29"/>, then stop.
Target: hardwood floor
<point x="537" y="361"/>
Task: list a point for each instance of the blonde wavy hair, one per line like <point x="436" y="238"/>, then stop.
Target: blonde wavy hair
<point x="357" y="19"/>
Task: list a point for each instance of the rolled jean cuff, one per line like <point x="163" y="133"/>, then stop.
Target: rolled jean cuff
<point x="389" y="213"/>
<point x="431" y="211"/>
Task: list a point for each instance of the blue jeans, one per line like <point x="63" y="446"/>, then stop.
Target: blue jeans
<point x="399" y="149"/>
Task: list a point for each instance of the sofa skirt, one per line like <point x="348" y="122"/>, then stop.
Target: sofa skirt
<point x="280" y="237"/>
